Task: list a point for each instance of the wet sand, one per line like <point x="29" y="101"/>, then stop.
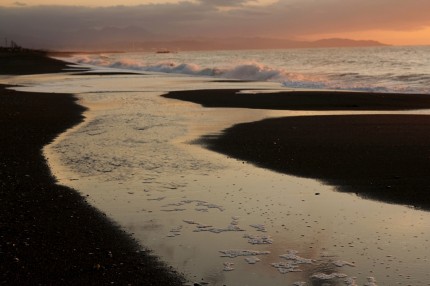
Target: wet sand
<point x="49" y="234"/>
<point x="383" y="157"/>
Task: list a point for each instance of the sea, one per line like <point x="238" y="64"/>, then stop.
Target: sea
<point x="219" y="220"/>
<point x="377" y="69"/>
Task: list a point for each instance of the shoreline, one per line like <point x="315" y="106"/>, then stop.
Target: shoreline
<point x="318" y="100"/>
<point x="50" y="234"/>
<point x="381" y="157"/>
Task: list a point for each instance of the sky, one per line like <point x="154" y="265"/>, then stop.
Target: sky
<point x="62" y="23"/>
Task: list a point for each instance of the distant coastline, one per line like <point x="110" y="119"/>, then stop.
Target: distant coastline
<point x="201" y="44"/>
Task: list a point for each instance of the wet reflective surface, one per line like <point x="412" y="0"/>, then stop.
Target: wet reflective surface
<point x="217" y="219"/>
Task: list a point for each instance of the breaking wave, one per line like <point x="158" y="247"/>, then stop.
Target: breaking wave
<point x="256" y="71"/>
<point x="247" y="71"/>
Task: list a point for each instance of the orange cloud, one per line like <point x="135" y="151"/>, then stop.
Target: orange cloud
<point x="397" y="22"/>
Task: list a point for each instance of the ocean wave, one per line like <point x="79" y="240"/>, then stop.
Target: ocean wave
<point x="255" y="71"/>
<point x="246" y="71"/>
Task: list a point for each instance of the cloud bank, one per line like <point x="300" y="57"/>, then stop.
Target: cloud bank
<point x="62" y="26"/>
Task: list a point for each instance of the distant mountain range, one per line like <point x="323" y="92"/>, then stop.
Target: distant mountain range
<point x="133" y="38"/>
<point x="240" y="44"/>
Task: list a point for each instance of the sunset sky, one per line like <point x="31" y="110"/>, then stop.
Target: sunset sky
<point x="62" y="22"/>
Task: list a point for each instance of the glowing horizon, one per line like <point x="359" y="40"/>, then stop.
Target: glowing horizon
<point x="65" y="22"/>
<point x="420" y="37"/>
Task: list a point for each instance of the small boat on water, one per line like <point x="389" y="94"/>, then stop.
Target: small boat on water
<point x="164" y="52"/>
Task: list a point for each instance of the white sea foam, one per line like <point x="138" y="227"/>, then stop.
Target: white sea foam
<point x="233" y="226"/>
<point x="232" y="253"/>
<point x="323" y="276"/>
<point x="340" y="263"/>
<point x="350" y="281"/>
<point x="175" y="231"/>
<point x="292" y="256"/>
<point x="259" y="227"/>
<point x="286" y="267"/>
<point x="256" y="239"/>
<point x="198" y="203"/>
<point x="228" y="266"/>
<point x="252" y="260"/>
<point x="346" y="69"/>
<point x="371" y="281"/>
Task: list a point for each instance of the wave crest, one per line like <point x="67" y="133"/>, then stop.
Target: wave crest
<point x="247" y="71"/>
<point x="255" y="71"/>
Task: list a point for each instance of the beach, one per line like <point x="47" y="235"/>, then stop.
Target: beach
<point x="377" y="156"/>
<point x="50" y="235"/>
<point x="347" y="202"/>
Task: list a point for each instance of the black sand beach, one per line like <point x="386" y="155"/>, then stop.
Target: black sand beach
<point x="28" y="62"/>
<point x="383" y="157"/>
<point x="49" y="234"/>
<point x="304" y="100"/>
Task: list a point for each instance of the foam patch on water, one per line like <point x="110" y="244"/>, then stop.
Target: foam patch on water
<point x="299" y="283"/>
<point x="228" y="266"/>
<point x="286" y="267"/>
<point x="252" y="260"/>
<point x="259" y="227"/>
<point x="233" y="226"/>
<point x="350" y="281"/>
<point x="293" y="262"/>
<point x="230" y="227"/>
<point x="323" y="276"/>
<point x="232" y="253"/>
<point x="340" y="263"/>
<point x="175" y="231"/>
<point x="292" y="256"/>
<point x="174" y="210"/>
<point x="371" y="281"/>
<point x="198" y="204"/>
<point x="256" y="239"/>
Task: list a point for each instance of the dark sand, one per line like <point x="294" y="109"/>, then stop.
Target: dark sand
<point x="383" y="157"/>
<point x="29" y="62"/>
<point x="304" y="100"/>
<point x="107" y="73"/>
<point x="49" y="234"/>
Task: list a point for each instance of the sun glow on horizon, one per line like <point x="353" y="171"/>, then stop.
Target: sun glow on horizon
<point x="71" y="21"/>
<point x="397" y="38"/>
